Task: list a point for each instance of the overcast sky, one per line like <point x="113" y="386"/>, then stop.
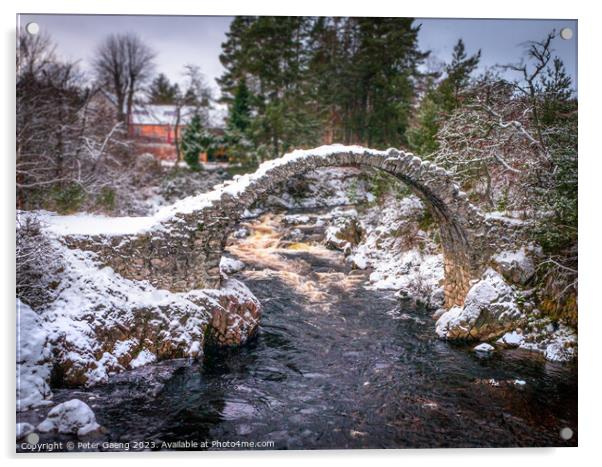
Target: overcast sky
<point x="179" y="40"/>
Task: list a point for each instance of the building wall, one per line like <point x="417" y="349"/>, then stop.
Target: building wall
<point x="158" y="133"/>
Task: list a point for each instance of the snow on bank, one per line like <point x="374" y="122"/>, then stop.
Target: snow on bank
<point x="101" y="324"/>
<point x="491" y="309"/>
<point x="71" y="417"/>
<point x="403" y="257"/>
<point x="98" y="325"/>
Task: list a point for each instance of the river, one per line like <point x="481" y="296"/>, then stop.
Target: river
<point x="336" y="365"/>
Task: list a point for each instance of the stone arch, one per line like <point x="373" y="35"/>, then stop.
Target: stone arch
<point x="182" y="250"/>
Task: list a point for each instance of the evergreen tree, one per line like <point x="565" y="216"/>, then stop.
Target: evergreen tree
<point x="440" y="100"/>
<point x="162" y="92"/>
<point x="238" y="123"/>
<point x="458" y="76"/>
<point x="195" y="140"/>
<point x="422" y="136"/>
<point x="343" y="79"/>
<point x="240" y="110"/>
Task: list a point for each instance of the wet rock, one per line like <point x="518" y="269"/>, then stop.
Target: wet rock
<point x="236" y="318"/>
<point x="71" y="417"/>
<point x="511" y="339"/>
<point x="484" y="348"/>
<point x="489" y="310"/>
<point x="343" y="233"/>
<point x="229" y="265"/>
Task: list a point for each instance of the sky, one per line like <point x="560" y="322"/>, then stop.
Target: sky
<point x="181" y="40"/>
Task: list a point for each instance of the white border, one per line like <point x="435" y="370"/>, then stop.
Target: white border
<point x="590" y="324"/>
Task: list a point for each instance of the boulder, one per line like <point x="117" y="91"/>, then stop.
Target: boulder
<point x="484" y="348"/>
<point x="511" y="339"/>
<point x="229" y="265"/>
<point x="489" y="311"/>
<point x="516" y="266"/>
<point x="71" y="417"/>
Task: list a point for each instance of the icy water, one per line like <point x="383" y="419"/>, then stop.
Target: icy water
<point x="335" y="365"/>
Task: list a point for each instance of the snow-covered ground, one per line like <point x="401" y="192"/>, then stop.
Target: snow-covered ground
<point x="101" y="323"/>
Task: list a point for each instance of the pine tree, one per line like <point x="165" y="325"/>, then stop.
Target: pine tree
<point x="194" y="142"/>
<point x="458" y="76"/>
<point x="240" y="110"/>
<point x="440" y="100"/>
<point x="422" y="135"/>
<point x="162" y="92"/>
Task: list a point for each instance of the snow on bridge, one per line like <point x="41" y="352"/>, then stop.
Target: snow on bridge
<point x="180" y="247"/>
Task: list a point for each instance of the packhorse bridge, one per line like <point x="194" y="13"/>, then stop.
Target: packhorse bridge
<point x="179" y="248"/>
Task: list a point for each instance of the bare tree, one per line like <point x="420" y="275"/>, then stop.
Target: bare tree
<point x="34" y="53"/>
<point x="71" y="154"/>
<point x="123" y="64"/>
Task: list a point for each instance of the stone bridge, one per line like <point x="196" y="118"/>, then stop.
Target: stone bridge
<point x="179" y="249"/>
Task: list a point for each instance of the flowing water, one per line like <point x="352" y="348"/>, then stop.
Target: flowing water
<point x="336" y="365"/>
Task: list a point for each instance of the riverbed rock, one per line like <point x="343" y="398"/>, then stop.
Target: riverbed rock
<point x="489" y="310"/>
<point x="71" y="417"/>
<point x="484" y="348"/>
<point x="236" y="317"/>
<point x="511" y="339"/>
<point x="229" y="265"/>
<point x="344" y="233"/>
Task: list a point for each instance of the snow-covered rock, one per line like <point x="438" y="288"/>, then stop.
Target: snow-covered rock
<point x="71" y="417"/>
<point x="484" y="348"/>
<point x="344" y="233"/>
<point x="101" y="324"/>
<point x="559" y="352"/>
<point x="516" y="266"/>
<point x="295" y="219"/>
<point x="511" y="339"/>
<point x="143" y="358"/>
<point x="229" y="265"/>
<point x="556" y="341"/>
<point x="33" y="359"/>
<point x="489" y="310"/>
<point x="23" y="429"/>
